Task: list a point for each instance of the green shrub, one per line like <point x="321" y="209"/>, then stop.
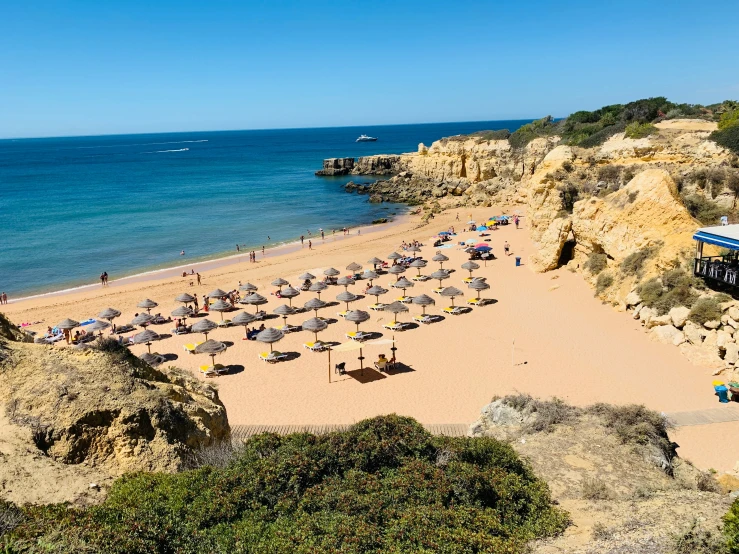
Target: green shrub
<point x="676" y="297"/>
<point x="525" y="134"/>
<point x="727" y="137"/>
<point x="596" y="139"/>
<point x="638" y="130"/>
<point x="634" y="262"/>
<point x="596" y="262"/>
<point x="548" y="413"/>
<point x="609" y="173"/>
<point x="650" y="291"/>
<point x="500" y="134"/>
<point x="731" y="527"/>
<point x="705" y="309"/>
<point x="697" y="540"/>
<point x="385" y="485"/>
<point x="704" y="210"/>
<point x="595" y="489"/>
<point x="604" y="281"/>
<point x="728" y="119"/>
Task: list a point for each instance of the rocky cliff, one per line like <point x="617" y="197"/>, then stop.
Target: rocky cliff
<point x="105" y="408"/>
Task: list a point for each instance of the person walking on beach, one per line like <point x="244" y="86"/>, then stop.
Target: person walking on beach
<point x="3" y="298"/>
<point x="515" y="220"/>
<point x="507" y="248"/>
<point x="457" y="217"/>
<point x="262" y="250"/>
<point x="197" y="308"/>
<point x="197" y="275"/>
<point x="310" y="245"/>
<point x="237" y="248"/>
<point x="322" y="234"/>
<point x="302" y="238"/>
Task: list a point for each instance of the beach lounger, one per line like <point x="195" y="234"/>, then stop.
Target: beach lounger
<point x="423" y="319"/>
<point x="453" y="310"/>
<point x="468" y="280"/>
<point x="420" y="278"/>
<point x="358" y="335"/>
<point x="224" y="323"/>
<point x="272" y="357"/>
<point x="189" y="348"/>
<point x="289" y="328"/>
<point x="180" y="330"/>
<point x="342" y="314"/>
<point x="394" y="326"/>
<point x="377" y="307"/>
<point x="315" y="346"/>
<point x="405" y="299"/>
<point x="476" y="302"/>
<point x="211" y="371"/>
<point x="438" y="290"/>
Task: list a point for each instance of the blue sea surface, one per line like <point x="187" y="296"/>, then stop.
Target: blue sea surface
<point x="71" y="208"/>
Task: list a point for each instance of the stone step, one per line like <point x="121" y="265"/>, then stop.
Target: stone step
<point x="722" y="414"/>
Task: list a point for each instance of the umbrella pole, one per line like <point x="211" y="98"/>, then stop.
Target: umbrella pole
<point x="329" y="362"/>
<point x="149" y="345"/>
<point x="361" y="362"/>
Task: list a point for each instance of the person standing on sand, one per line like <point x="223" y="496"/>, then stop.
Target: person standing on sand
<point x="310" y="245"/>
<point x="302" y="238"/>
<point x="262" y="250"/>
<point x="507" y="248"/>
<point x="322" y="234"/>
<point x="197" y="309"/>
<point x="102" y="279"/>
<point x="457" y="217"/>
<point x="197" y="275"/>
<point x="237" y="248"/>
<point x="3" y="298"/>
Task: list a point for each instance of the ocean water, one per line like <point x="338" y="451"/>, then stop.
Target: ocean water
<point x="71" y="208"/>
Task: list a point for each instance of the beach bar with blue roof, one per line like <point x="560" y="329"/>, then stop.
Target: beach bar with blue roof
<point x="721" y="269"/>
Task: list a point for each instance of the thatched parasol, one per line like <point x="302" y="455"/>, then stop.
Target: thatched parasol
<point x="68" y="324"/>
<point x="211" y="348"/>
<point x="413" y="248"/>
<point x="270" y="335"/>
<point x="99" y="326"/>
<point x="376" y="291"/>
<point x="317" y="287"/>
<point x="289" y="293"/>
<point x="470" y="266"/>
<point x="218" y="293"/>
<point x="147" y="304"/>
<point x="439" y="275"/>
<point x="284" y="310"/>
<point x="183" y="312"/>
<point x="243" y="318"/>
<point x="109" y="314"/>
<point x="375" y="262"/>
<point x="418" y="264"/>
<point x="345" y="282"/>
<point x="354" y="266"/>
<point x="152" y="359"/>
<point x="451" y="292"/>
<point x="396" y="270"/>
<point x="279" y="282"/>
<point x="403" y="284"/>
<point x="185" y="298"/>
<point x="394" y="256"/>
<point x="370" y="276"/>
<point x="146" y="337"/>
<point x="331" y="272"/>
<point x="204" y="326"/>
<point x="357" y="316"/>
<point x="220" y="306"/>
<point x="306" y="276"/>
<point x="441" y="258"/>
<point x="478" y="285"/>
<point x="423" y="300"/>
<point x="396" y="308"/>
<point x="248" y="287"/>
<point x="314" y="304"/>
<point x="347" y="297"/>
<point x="254" y="300"/>
<point x="142" y="320"/>
<point x="315" y="326"/>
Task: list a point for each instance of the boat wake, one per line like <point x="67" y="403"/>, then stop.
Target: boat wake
<point x="162" y="151"/>
<point x="142" y="144"/>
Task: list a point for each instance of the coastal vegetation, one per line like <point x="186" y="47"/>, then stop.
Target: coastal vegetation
<point x="385" y="485"/>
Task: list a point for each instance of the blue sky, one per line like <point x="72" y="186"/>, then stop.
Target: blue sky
<point x="92" y="67"/>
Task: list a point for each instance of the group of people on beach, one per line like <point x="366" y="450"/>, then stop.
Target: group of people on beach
<point x="104" y="278"/>
<point x="3" y="298"/>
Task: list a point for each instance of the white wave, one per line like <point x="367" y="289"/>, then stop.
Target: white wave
<point x="141" y="144"/>
<point x="161" y="151"/>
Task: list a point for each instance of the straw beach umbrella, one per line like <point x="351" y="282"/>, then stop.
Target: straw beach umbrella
<point x="254" y="299"/>
<point x="451" y="292"/>
<point x="146" y="337"/>
<point x="357" y="316"/>
<point x="345" y="282"/>
<point x="185" y="298"/>
<point x="284" y="310"/>
<point x="211" y="348"/>
<point x="67" y="325"/>
<point x="270" y="336"/>
<point x="441" y="258"/>
<point x="375" y="262"/>
<point x="418" y="264"/>
<point x="279" y="282"/>
<point x="331" y="272"/>
<point x="220" y="306"/>
<point x="315" y="326"/>
<point x="99" y="326"/>
<point x="423" y="300"/>
<point x="396" y="308"/>
<point x="243" y="318"/>
<point x="376" y="291"/>
<point x="142" y="320"/>
<point x="218" y="293"/>
<point x="394" y="256"/>
<point x="470" y="266"/>
<point x="248" y="287"/>
<point x="347" y="297"/>
<point x="306" y="276"/>
<point x="314" y="304"/>
<point x="317" y="287"/>
<point x="147" y="304"/>
<point x="402" y="284"/>
<point x="204" y="326"/>
<point x="183" y="312"/>
<point x="439" y="275"/>
<point x="289" y="293"/>
<point x="109" y="314"/>
<point x="478" y="285"/>
<point x="396" y="270"/>
<point x="354" y="266"/>
<point x="370" y="276"/>
<point x="414" y="248"/>
<point x="152" y="359"/>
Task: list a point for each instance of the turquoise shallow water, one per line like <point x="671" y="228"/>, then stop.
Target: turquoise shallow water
<point x="71" y="208"/>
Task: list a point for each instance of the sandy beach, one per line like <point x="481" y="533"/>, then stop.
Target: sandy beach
<point x="545" y="334"/>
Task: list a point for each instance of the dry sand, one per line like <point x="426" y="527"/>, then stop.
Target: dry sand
<point x="567" y="344"/>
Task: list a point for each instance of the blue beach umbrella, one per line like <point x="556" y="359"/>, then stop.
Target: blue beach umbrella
<point x="483" y="248"/>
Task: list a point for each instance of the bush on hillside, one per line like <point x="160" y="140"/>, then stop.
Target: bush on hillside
<point x="596" y="262"/>
<point x="501" y="134"/>
<point x="704" y="210"/>
<point x="385" y="485"/>
<point x="705" y="309"/>
<point x="731" y="527"/>
<point x="634" y="262"/>
<point x="596" y="139"/>
<point x="697" y="540"/>
<point x="727" y="137"/>
<point x="604" y="282"/>
<point x="728" y="119"/>
<point x="638" y="130"/>
<point x="650" y="291"/>
<point x="525" y="134"/>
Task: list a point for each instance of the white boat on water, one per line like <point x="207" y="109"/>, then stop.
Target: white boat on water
<point x="365" y="138"/>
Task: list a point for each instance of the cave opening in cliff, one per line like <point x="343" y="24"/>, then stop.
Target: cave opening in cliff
<point x="568" y="252"/>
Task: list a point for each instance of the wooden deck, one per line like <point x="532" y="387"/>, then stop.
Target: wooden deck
<point x="243" y="432"/>
<point x="721" y="414"/>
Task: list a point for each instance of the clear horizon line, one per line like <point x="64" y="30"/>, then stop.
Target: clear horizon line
<point x="264" y="129"/>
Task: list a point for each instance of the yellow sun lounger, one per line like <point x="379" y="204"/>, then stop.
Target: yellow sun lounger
<point x="394" y="326"/>
<point x="210" y="370"/>
<point x="422" y="319"/>
<point x="404" y="299"/>
<point x="359" y="335"/>
<point x="453" y="310"/>
<point x="420" y="278"/>
<point x="438" y="290"/>
<point x="315" y="346"/>
<point x="342" y="314"/>
<point x="272" y="357"/>
<point x="190" y="347"/>
<point x="468" y="280"/>
<point x="377" y="307"/>
<point x="475" y="301"/>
